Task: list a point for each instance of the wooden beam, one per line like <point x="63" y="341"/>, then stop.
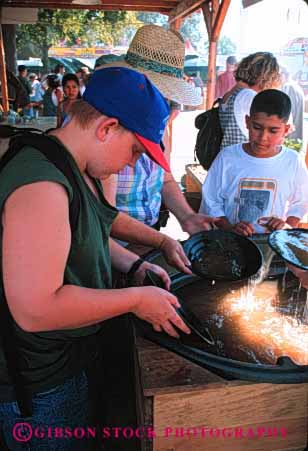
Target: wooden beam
<point x="219" y="19"/>
<point x="247" y="3"/>
<point x="184" y="8"/>
<point x="115" y="4"/>
<point x="211" y="75"/>
<point x="207" y="18"/>
<point x="45" y="3"/>
<point x="116" y="7"/>
<point x="214" y="13"/>
<point x="176" y="25"/>
<point x="3" y="79"/>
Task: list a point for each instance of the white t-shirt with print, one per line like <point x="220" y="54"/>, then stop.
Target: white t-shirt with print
<point x="245" y="188"/>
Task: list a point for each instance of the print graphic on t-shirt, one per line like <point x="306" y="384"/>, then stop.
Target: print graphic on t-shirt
<point x="255" y="199"/>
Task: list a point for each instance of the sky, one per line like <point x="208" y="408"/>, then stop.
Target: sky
<point x="267" y="25"/>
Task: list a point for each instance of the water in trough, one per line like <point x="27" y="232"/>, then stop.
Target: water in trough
<point x="255" y="322"/>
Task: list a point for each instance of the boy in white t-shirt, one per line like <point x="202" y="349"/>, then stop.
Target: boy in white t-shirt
<point x="261" y="185"/>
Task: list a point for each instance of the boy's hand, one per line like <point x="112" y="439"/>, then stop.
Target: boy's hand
<point x="158" y="307"/>
<point x="273" y="223"/>
<point x="243" y="228"/>
<point x="140" y="274"/>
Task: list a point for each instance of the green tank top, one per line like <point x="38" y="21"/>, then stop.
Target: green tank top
<point x="49" y="358"/>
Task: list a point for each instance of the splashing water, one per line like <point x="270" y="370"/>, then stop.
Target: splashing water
<point x="263" y="326"/>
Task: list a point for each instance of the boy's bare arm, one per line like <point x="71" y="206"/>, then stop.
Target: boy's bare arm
<point x="36" y="244"/>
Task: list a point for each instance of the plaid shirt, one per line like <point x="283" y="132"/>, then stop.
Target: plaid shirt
<point x="232" y="133"/>
<point x="139" y="190"/>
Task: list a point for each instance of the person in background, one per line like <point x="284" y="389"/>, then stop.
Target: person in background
<point x="36" y="96"/>
<point x="83" y="75"/>
<point x="26" y="88"/>
<point x="59" y="71"/>
<point x="297" y="96"/>
<point x="254" y="73"/>
<point x="259" y="186"/>
<point x="71" y="91"/>
<point x="140" y="191"/>
<point x="52" y="96"/>
<point x="226" y="80"/>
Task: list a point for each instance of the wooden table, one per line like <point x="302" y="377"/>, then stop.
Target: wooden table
<point x="195" y="176"/>
<point x="180" y="396"/>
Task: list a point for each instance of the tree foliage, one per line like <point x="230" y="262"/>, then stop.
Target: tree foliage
<point x="153" y="18"/>
<point x="190" y="29"/>
<point x="226" y="46"/>
<point x="92" y="27"/>
<point x="87" y="27"/>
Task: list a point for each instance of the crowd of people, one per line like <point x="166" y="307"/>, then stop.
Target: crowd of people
<point x="52" y="94"/>
<point x="57" y="280"/>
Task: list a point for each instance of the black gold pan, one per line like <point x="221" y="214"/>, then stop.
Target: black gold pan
<point x="221" y="255"/>
<point x="291" y="245"/>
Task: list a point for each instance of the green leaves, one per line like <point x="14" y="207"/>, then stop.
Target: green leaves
<point x="86" y="27"/>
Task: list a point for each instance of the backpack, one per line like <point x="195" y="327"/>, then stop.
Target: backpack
<point x="53" y="151"/>
<point x="209" y="137"/>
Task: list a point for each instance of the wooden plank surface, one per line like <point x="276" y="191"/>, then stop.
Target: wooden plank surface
<point x="163" y="371"/>
<point x="195" y="176"/>
<point x="279" y="408"/>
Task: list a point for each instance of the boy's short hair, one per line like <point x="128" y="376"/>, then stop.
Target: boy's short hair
<point x="84" y="113"/>
<point x="273" y="103"/>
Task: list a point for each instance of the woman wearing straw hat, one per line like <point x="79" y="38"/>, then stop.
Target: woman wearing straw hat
<point x="139" y="191"/>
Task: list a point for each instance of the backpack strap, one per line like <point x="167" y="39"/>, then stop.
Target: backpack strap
<point x="53" y="151"/>
<point x="8" y="131"/>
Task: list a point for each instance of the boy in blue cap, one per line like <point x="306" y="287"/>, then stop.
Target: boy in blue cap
<point x="58" y="286"/>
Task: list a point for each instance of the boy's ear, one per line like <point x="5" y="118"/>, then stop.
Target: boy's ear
<point x="247" y="121"/>
<point x="105" y="127"/>
<point x="287" y="129"/>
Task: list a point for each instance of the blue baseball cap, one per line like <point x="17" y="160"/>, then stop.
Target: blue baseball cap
<point x="130" y="97"/>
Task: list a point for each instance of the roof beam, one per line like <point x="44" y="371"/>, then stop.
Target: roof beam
<point x="184" y="8"/>
<point x="247" y="3"/>
<point x="160" y="6"/>
<point x="29" y="3"/>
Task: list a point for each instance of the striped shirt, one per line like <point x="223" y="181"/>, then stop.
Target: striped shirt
<point x="232" y="131"/>
<point x="139" y="190"/>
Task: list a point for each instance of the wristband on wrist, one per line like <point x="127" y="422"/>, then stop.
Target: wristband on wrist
<point x="135" y="266"/>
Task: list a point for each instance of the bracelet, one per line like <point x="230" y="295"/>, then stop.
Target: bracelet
<point x="135" y="266"/>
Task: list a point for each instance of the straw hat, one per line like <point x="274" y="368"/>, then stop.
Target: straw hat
<point x="159" y="54"/>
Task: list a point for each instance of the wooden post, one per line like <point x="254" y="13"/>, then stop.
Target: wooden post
<point x="176" y="25"/>
<point x="3" y="79"/>
<point x="214" y="15"/>
<point x="211" y="75"/>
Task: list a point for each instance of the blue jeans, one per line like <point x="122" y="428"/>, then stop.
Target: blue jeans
<point x="60" y="417"/>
